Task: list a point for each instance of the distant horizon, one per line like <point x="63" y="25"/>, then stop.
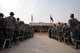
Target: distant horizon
<point x="60" y="10"/>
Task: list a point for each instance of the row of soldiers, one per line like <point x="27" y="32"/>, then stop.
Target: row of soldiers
<point x="59" y="31"/>
<point x="67" y="32"/>
<point x="12" y="29"/>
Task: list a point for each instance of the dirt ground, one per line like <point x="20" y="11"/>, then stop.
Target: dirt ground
<point x="41" y="43"/>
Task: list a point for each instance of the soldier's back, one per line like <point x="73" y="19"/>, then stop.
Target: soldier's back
<point x="17" y="24"/>
<point x="73" y="22"/>
<point x="59" y="28"/>
<point x="10" y="21"/>
<point x="1" y="22"/>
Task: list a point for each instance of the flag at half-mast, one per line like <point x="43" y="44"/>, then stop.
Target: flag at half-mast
<point x="51" y="18"/>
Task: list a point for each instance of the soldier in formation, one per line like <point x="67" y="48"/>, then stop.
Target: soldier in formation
<point x="49" y="31"/>
<point x="67" y="33"/>
<point x="73" y="22"/>
<point x="59" y="31"/>
<point x="11" y="28"/>
<point x="2" y="28"/>
<point x="54" y="31"/>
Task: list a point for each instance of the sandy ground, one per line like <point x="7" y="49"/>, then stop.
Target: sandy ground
<point x="41" y="44"/>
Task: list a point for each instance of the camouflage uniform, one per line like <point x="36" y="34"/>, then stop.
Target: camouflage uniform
<point x="49" y="32"/>
<point x="10" y="27"/>
<point x="73" y="26"/>
<point x="2" y="24"/>
<point x="17" y="26"/>
<point x="59" y="30"/>
<point x="22" y="29"/>
<point x="66" y="32"/>
<point x="53" y="31"/>
<point x="2" y="29"/>
<point x="32" y="32"/>
<point x="78" y="32"/>
<point x="16" y="32"/>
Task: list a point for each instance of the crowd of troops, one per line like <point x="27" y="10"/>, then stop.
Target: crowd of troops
<point x="13" y="30"/>
<point x="66" y="32"/>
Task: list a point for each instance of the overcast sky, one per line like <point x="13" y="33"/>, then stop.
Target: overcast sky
<point x="41" y="9"/>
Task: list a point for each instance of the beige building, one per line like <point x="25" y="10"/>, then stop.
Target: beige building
<point x="40" y="26"/>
